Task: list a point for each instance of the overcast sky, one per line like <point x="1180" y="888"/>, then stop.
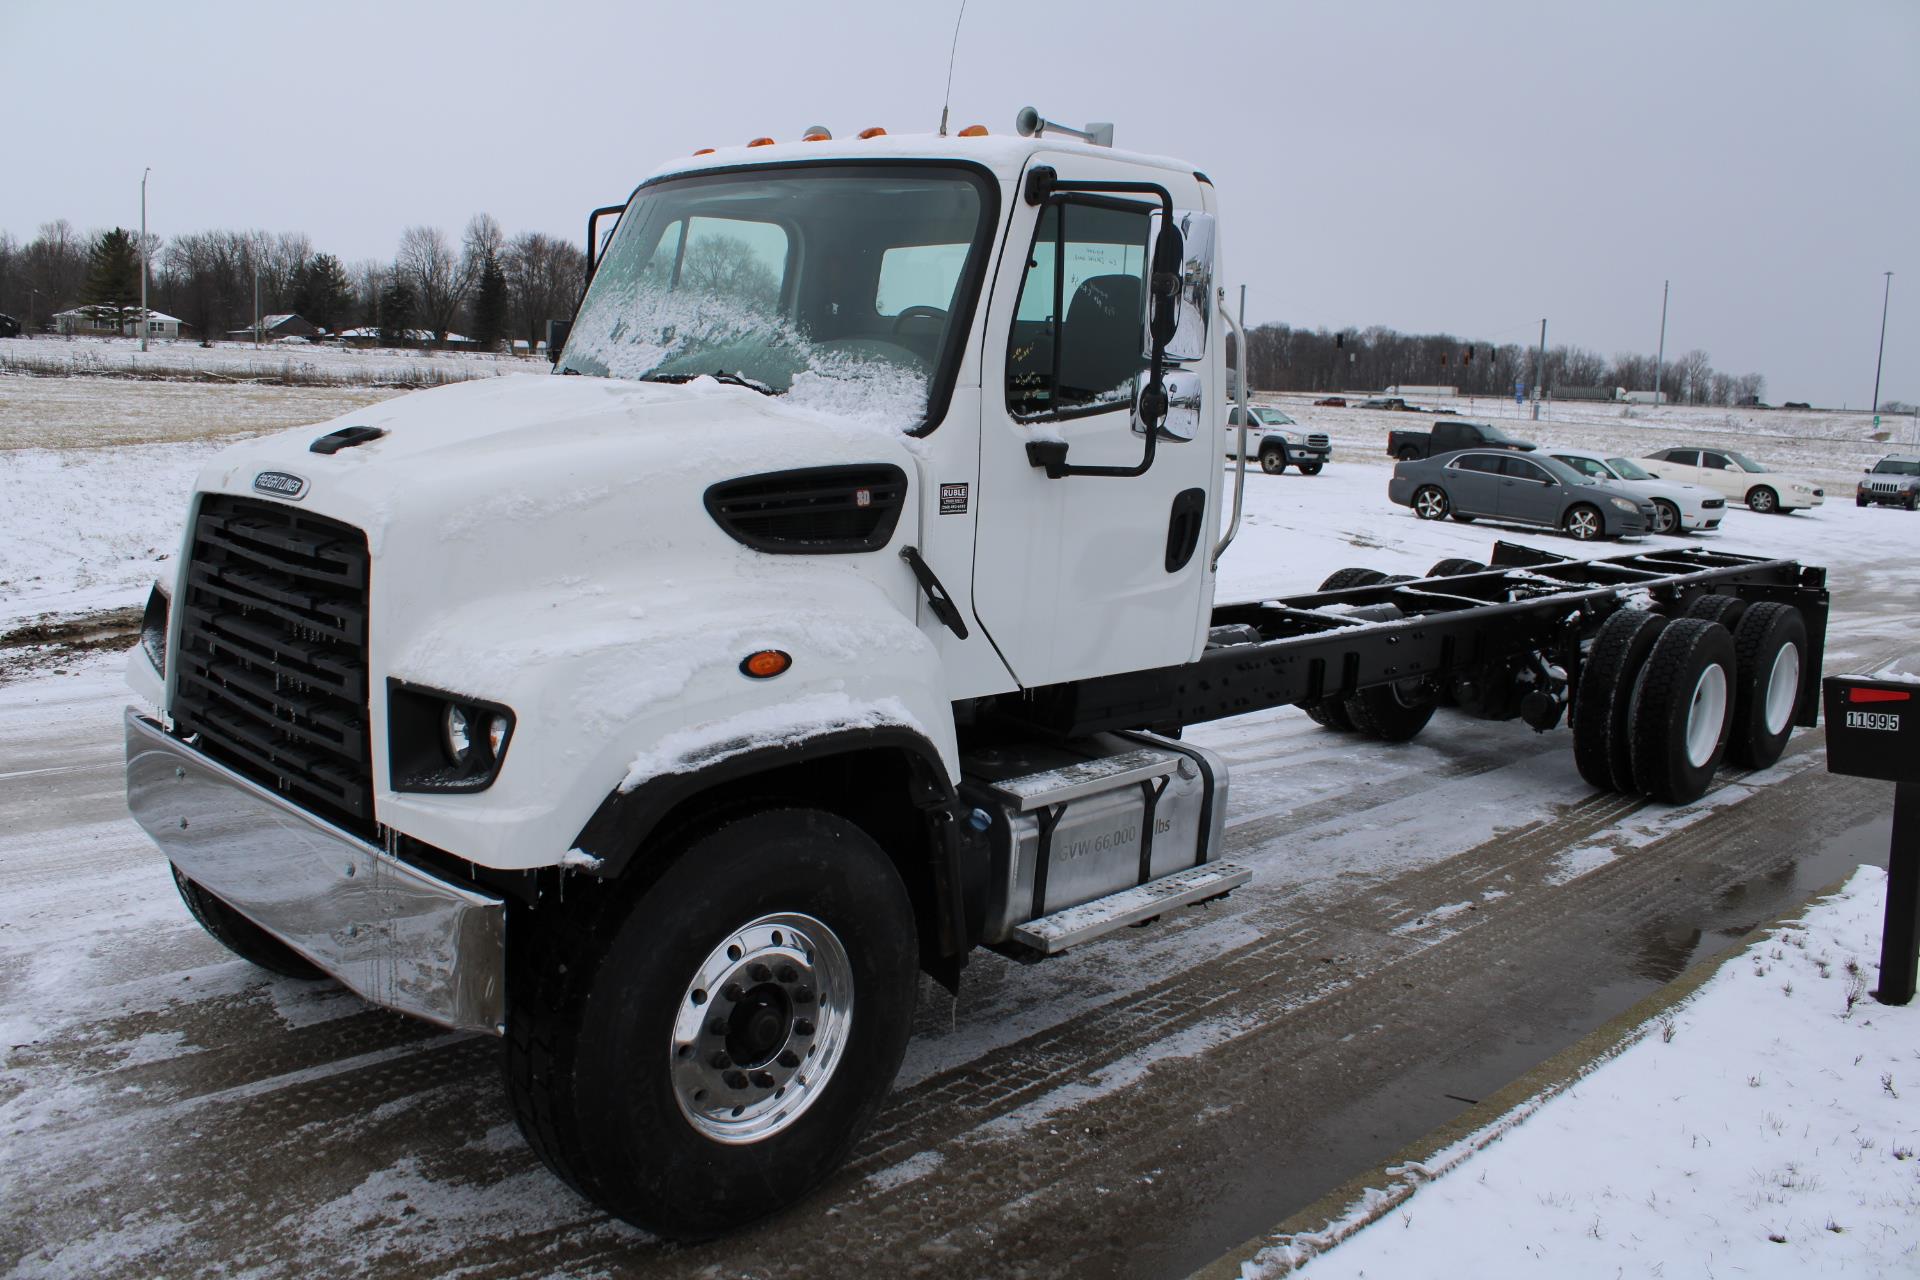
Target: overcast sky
<point x="1462" y="166"/>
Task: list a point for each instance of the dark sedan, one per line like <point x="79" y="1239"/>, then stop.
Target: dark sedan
<point x="1499" y="484"/>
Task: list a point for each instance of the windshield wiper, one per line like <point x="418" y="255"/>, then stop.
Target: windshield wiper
<point x="731" y="379"/>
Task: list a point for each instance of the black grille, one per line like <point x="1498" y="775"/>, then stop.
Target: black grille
<point x="814" y="510"/>
<point x="273" y="653"/>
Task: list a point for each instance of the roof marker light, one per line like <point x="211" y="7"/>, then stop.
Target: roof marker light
<point x="816" y="133"/>
<point x="704" y="151"/>
<point x="761" y="142"/>
<point x="875" y="132"/>
<point x="764" y="664"/>
<point x="974" y="131"/>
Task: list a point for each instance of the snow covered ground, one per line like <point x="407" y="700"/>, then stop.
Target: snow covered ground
<point x="100" y="969"/>
<point x="1769" y="1125"/>
<point x="311" y="362"/>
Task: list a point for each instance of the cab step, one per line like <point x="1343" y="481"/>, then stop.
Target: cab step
<point x="1050" y="935"/>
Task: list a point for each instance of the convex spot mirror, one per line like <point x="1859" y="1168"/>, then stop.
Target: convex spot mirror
<point x="1182" y="418"/>
<point x="1181" y="315"/>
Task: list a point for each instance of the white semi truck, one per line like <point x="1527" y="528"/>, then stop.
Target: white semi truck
<point x="834" y="609"/>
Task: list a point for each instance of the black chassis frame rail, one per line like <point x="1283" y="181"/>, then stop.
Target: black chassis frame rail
<point x="1528" y="601"/>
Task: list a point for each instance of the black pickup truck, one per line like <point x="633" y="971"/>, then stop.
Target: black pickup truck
<point x="1449" y="434"/>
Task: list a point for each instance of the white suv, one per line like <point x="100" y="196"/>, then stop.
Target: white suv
<point x="1737" y="476"/>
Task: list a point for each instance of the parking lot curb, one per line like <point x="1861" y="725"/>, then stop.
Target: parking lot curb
<point x="1372" y="1194"/>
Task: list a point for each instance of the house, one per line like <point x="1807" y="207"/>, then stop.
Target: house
<point x="275" y="327"/>
<point x="100" y="320"/>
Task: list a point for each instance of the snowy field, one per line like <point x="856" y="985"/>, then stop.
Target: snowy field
<point x="310" y="363"/>
<point x="107" y="988"/>
<point x="1769" y="1125"/>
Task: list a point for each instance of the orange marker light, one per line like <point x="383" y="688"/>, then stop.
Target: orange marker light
<point x="974" y="131"/>
<point x="875" y="132"/>
<point x="765" y="664"/>
<point x="761" y="142"/>
<point x="704" y="151"/>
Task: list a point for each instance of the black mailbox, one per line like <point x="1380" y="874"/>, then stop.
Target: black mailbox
<point x="1873" y="731"/>
<point x="1873" y="728"/>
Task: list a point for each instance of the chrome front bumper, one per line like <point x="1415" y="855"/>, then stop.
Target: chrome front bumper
<point x="394" y="934"/>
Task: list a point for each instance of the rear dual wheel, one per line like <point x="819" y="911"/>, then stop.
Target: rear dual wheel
<point x="1332" y="712"/>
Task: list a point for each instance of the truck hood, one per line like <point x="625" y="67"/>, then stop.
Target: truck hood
<point x="526" y="439"/>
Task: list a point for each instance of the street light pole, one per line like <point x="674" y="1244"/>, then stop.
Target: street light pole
<point x="1661" y="357"/>
<point x="145" y="324"/>
<point x="1539" y="370"/>
<point x="1883" y="342"/>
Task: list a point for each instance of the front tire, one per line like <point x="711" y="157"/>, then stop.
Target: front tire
<point x="1430" y="502"/>
<point x="240" y="935"/>
<point x="1273" y="461"/>
<point x="1313" y="469"/>
<point x="1583" y="523"/>
<point x="701" y="1054"/>
<point x="1666" y="516"/>
<point x="1763" y="500"/>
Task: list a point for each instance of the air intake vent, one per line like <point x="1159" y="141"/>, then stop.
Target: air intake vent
<point x="813" y="511"/>
<point x="272" y="659"/>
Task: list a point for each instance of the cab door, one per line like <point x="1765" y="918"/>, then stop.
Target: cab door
<point x="1087" y="575"/>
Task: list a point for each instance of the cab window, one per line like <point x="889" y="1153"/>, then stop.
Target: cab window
<point x="1682" y="457"/>
<point x="1585" y="466"/>
<point x="1521" y="469"/>
<point x="1077" y="331"/>
<point x="1484" y="463"/>
<point x="1716" y="461"/>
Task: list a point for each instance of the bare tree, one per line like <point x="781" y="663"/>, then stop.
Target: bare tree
<point x="1696" y="376"/>
<point x="544" y="278"/>
<point x="435" y="275"/>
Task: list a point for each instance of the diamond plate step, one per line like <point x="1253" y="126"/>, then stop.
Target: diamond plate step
<point x="1055" y="933"/>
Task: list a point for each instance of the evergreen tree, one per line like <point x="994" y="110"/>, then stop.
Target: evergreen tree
<point x="321" y="291"/>
<point x="112" y="289"/>
<point x="396" y="312"/>
<point x="490" y="304"/>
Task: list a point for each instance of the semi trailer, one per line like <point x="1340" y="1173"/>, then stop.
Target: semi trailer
<point x="835" y="608"/>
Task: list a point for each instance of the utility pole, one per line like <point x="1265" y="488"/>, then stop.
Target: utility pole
<point x="1883" y="342"/>
<point x="1539" y="369"/>
<point x="256" y="297"/>
<point x="145" y="324"/>
<point x="1661" y="357"/>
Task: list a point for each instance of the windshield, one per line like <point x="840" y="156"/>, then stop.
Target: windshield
<point x="1272" y="417"/>
<point x="1590" y="467"/>
<point x="1889" y="467"/>
<point x="839" y="287"/>
<point x="1628" y="469"/>
<point x="1745" y="463"/>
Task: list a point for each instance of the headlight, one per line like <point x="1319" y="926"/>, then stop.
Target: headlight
<point x="1625" y="505"/>
<point x="444" y="741"/>
<point x="1803" y="488"/>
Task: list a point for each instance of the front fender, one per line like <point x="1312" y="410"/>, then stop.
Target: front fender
<point x="609" y="695"/>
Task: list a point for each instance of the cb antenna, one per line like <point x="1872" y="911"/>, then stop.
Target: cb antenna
<point x="948" y="100"/>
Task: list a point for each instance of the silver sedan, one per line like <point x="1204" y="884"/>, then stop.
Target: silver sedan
<point x="1499" y="484"/>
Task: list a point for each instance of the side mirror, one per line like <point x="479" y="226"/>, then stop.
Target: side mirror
<point x="1188" y="305"/>
<point x="557" y="331"/>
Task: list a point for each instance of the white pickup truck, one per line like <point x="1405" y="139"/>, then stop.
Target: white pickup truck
<point x="832" y="610"/>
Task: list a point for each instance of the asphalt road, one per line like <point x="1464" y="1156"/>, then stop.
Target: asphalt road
<point x="1133" y="1110"/>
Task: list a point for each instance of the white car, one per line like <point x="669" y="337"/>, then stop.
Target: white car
<point x="1277" y="441"/>
<point x="1678" y="508"/>
<point x="1737" y="476"/>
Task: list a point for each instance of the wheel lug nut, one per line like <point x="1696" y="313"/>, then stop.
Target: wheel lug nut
<point x="788" y="973"/>
<point x="763" y="1079"/>
<point x="732" y="991"/>
<point x="720" y="1061"/>
<point x="760" y="973"/>
<point x="803" y="996"/>
<point x="735" y="1079"/>
<point x="803" y="1027"/>
<point x="789" y="1060"/>
<point x="718" y="1027"/>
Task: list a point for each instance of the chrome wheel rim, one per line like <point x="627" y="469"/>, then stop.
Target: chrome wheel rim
<point x="1664" y="518"/>
<point x="1760" y="500"/>
<point x="1783" y="688"/>
<point x="1430" y="503"/>
<point x="1582" y="525"/>
<point x="761" y="1028"/>
<point x="1706" y="715"/>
